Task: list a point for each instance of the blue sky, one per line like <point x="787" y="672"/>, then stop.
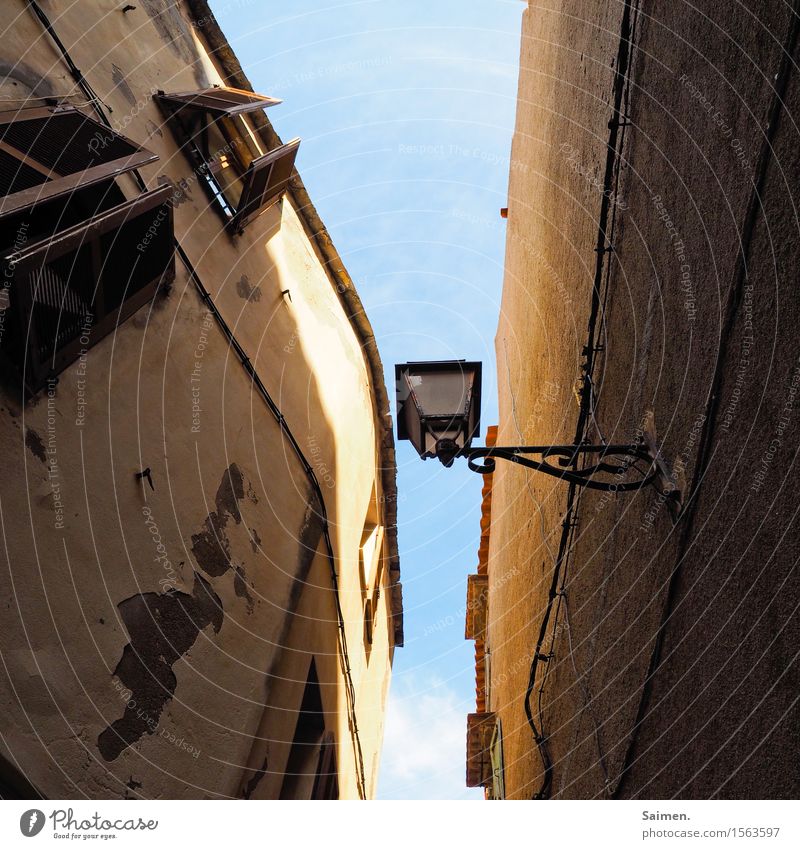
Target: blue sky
<point x="406" y="112"/>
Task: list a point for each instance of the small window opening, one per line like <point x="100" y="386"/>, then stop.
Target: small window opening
<point x="240" y="179"/>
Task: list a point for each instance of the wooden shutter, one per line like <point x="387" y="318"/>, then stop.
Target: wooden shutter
<point x="264" y="182"/>
<point x="480" y="729"/>
<point x="49" y="152"/>
<point x="477" y="606"/>
<point x="95" y="274"/>
<point x="220" y="100"/>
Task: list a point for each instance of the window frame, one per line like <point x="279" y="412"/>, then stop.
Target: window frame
<point x="497" y="787"/>
<point x="255" y="198"/>
<point x="326" y="781"/>
<point x="480" y="732"/>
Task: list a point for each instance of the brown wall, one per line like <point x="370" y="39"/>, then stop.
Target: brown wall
<point x="685" y="337"/>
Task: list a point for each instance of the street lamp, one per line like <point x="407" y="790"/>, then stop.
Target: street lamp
<point x="438" y="411"/>
<point x="439" y="406"/>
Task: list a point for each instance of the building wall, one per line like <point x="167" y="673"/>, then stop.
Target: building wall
<point x="692" y="338"/>
<point x="232" y="505"/>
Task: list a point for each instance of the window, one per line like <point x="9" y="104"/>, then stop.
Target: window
<point x="240" y="179"/>
<point x="480" y="731"/>
<point x="369" y="553"/>
<point x="221" y="101"/>
<point x="369" y="623"/>
<point x="326" y="781"/>
<point x="370" y="568"/>
<point x="77" y="258"/>
<point x="485" y="765"/>
<point x="497" y="788"/>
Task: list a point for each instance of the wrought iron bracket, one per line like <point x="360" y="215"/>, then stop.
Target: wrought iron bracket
<point x="616" y="461"/>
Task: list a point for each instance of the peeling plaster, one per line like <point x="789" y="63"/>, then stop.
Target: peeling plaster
<point x="240" y="586"/>
<point x="211" y="547"/>
<point x="254" y="781"/>
<point x="153" y="129"/>
<point x="175" y="32"/>
<point x="162" y="628"/>
<point x="180" y="193"/>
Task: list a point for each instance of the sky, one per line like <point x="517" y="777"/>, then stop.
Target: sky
<point x="406" y="112"/>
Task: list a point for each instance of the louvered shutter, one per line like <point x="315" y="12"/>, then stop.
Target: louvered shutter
<point x="95" y="275"/>
<point x="265" y="182"/>
<point x="49" y="152"/>
<point x="220" y="100"/>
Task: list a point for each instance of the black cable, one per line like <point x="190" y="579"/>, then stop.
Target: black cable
<point x="273" y="407"/>
<point x="538" y="732"/>
<point x="74" y="70"/>
<point x="570" y="516"/>
<point x="309" y="471"/>
<point x="603" y="244"/>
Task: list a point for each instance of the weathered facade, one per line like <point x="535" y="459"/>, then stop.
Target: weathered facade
<point x="652" y="241"/>
<point x="201" y="584"/>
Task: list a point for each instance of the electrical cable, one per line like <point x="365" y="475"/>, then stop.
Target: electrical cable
<point x="46" y="98"/>
<point x="74" y="70"/>
<point x="553" y="557"/>
<point x="603" y="247"/>
<point x="311" y="475"/>
<point x="587" y="696"/>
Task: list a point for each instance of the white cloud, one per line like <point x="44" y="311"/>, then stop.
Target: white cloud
<point x="424" y="751"/>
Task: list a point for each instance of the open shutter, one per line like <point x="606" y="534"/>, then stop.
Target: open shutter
<point x="480" y="729"/>
<point x="477" y="606"/>
<point x="69" y="291"/>
<point x="265" y="181"/>
<point x="220" y="100"/>
<point x="53" y="151"/>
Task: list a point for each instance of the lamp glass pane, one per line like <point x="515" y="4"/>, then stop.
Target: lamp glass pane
<point x="442" y="393"/>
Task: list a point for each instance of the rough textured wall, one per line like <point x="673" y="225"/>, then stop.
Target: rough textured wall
<point x="691" y="331"/>
<point x="142" y="638"/>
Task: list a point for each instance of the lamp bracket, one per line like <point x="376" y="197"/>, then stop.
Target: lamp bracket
<point x="616" y="461"/>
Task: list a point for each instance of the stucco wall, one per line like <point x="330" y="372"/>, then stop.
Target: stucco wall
<point x="232" y="506"/>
